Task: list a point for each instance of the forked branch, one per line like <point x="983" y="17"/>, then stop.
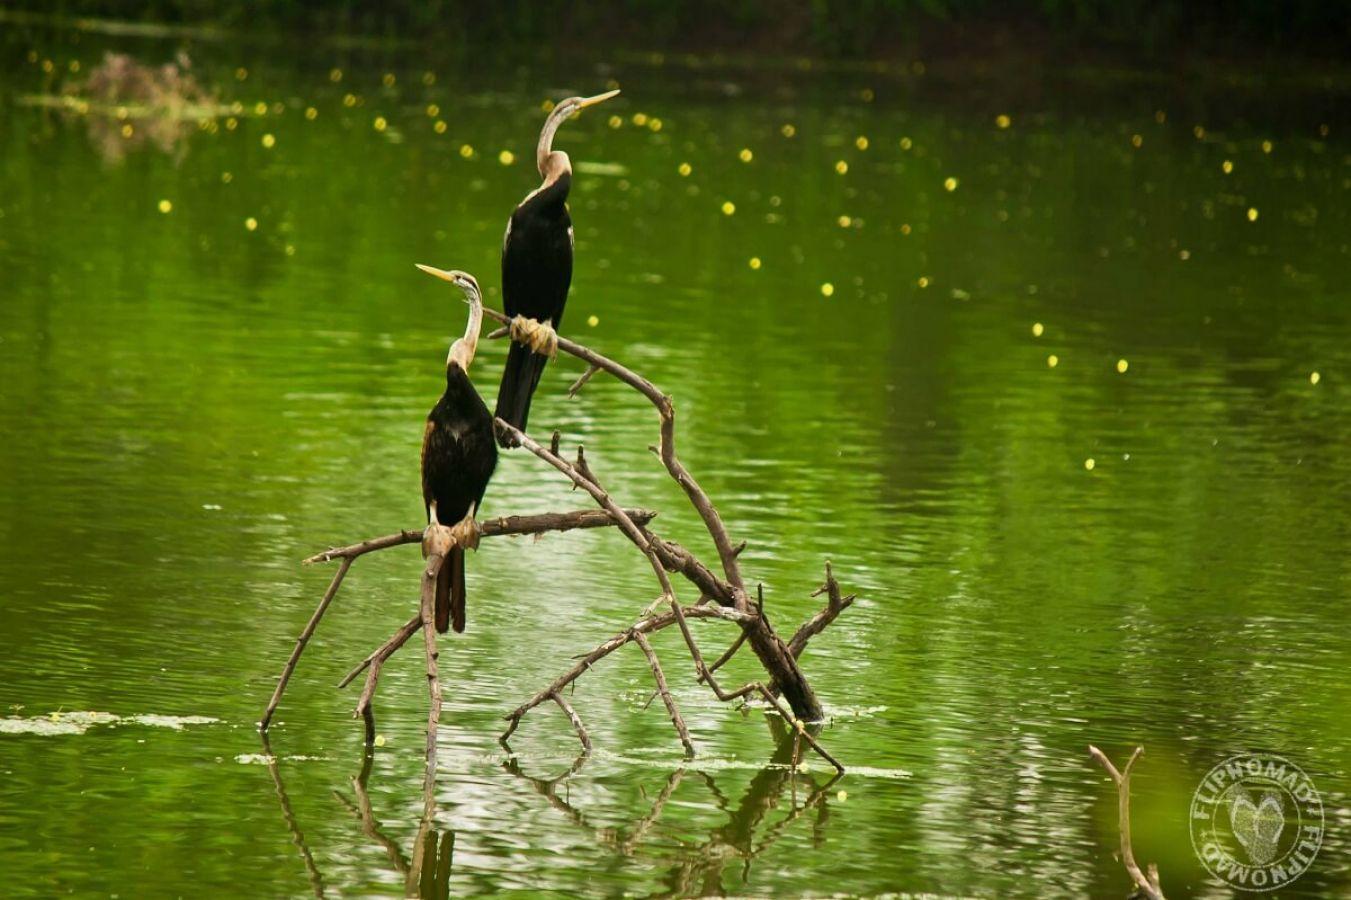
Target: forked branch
<point x="1148" y="884"/>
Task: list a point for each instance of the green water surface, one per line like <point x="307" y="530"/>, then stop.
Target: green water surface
<point x="856" y="318"/>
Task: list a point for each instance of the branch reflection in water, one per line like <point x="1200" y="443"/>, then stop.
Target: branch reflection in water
<point x="695" y="866"/>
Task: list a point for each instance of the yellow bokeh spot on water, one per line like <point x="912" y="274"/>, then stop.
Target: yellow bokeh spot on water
<point x="616" y="121"/>
<point x="827" y="289"/>
<point x="166" y="206"/>
<point x="654" y="124"/>
<point x="906" y="143"/>
<point x="754" y="262"/>
<point x="923" y="281"/>
<point x="593" y="320"/>
<point x="866" y="95"/>
<point x="1090" y="463"/>
<point x="1002" y="121"/>
<point x="1137" y="141"/>
<point x="1314" y="378"/>
<point x="506" y="157"/>
<point x="429" y="78"/>
<point x="380" y="740"/>
<point x="841" y="167"/>
<point x="861" y="142"/>
<point x="685" y="169"/>
<point x="547" y="105"/>
<point x="349" y="100"/>
<point x="269" y="141"/>
<point x="226" y="177"/>
<point x="1199" y="131"/>
<point x="433" y="110"/>
<point x="1160" y="116"/>
<point x="1227" y="166"/>
<point x="388" y="79"/>
<point x="949" y="184"/>
<point x="1267" y="146"/>
<point x="905" y="228"/>
<point x="1052" y="361"/>
<point x="260" y="108"/>
<point x="788" y="129"/>
<point x="251" y="223"/>
<point x="48" y="65"/>
<point x="335" y="75"/>
<point x="127" y="130"/>
<point x="745" y="155"/>
<point x="1122" y="365"/>
<point x="1037" y="329"/>
<point x="241" y="73"/>
<point x="231" y="123"/>
<point x="379" y="124"/>
<point x="728" y="207"/>
<point x="1252" y="214"/>
<point x="844" y="221"/>
<point x="639" y="119"/>
<point x="311" y="113"/>
<point x="439" y="127"/>
<point x="1184" y="255"/>
<point x="290" y="249"/>
<point x="466" y="150"/>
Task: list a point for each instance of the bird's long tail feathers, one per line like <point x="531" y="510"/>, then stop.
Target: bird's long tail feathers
<point x="450" y="594"/>
<point x="520" y="377"/>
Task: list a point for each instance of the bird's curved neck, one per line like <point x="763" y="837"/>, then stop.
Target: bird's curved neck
<point x="546" y="138"/>
<point x="462" y="351"/>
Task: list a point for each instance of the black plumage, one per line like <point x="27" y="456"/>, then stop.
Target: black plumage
<point x="537" y="263"/>
<point x="536" y="275"/>
<point x="459" y="455"/>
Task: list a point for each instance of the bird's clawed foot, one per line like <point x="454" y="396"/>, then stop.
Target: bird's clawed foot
<point x="538" y="336"/>
<point x="465" y="533"/>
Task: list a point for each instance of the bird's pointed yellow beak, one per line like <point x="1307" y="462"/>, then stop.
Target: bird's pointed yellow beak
<point x="599" y="98"/>
<point x="439" y="273"/>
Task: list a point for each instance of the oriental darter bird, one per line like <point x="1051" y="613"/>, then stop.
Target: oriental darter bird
<point x="458" y="456"/>
<point x="537" y="269"/>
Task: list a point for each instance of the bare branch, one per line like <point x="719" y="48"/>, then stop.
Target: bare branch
<point x="1148" y="884"/>
<point x="698" y="498"/>
<point x="576" y="721"/>
<point x="505" y="525"/>
<point x="835" y="604"/>
<point x="676" y="719"/>
<point x="306" y="633"/>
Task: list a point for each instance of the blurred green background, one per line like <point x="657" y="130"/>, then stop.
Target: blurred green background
<point x="1049" y="357"/>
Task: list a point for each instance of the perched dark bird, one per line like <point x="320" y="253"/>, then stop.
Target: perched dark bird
<point x="537" y="267"/>
<point x="458" y="456"/>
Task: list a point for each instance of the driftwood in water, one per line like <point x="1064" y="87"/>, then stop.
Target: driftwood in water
<point x="721" y="592"/>
<point x="1147" y="884"/>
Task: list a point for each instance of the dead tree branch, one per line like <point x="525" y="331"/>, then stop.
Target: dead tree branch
<point x="1148" y="884"/>
<point x="660" y="677"/>
<point x="726" y="590"/>
<point x="506" y="525"/>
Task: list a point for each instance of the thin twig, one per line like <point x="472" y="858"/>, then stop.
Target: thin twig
<point x="301" y="641"/>
<point x="1148" y="884"/>
<point x="657" y="675"/>
<point x="581" y="382"/>
<point x="576" y="721"/>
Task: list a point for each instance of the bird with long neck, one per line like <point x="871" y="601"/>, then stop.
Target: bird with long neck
<point x="537" y="268"/>
<point x="458" y="456"/>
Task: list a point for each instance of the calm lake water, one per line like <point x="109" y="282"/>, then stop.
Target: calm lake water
<point x="894" y="324"/>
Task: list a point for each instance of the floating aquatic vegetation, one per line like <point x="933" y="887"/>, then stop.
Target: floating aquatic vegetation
<point x="80" y="721"/>
<point x="129" y="105"/>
